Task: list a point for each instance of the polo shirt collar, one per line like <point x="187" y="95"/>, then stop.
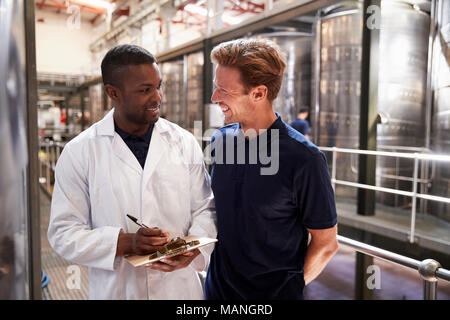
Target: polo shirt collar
<point x="125" y="136"/>
<point x="277" y="124"/>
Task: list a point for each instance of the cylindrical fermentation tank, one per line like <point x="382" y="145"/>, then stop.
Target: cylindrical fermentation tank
<point x="182" y="101"/>
<point x="401" y="90"/>
<point x="173" y="100"/>
<point x="336" y="122"/>
<point x="194" y="85"/>
<point x="441" y="119"/>
<point x="402" y="82"/>
<point x="295" y="89"/>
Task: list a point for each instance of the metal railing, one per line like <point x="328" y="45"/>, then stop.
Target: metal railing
<point x="415" y="179"/>
<point x="47" y="161"/>
<point x="430" y="270"/>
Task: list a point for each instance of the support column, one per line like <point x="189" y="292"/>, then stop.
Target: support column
<point x="32" y="187"/>
<point x="367" y="131"/>
<point x="218" y="13"/>
<point x="83" y="107"/>
<point x="207" y="80"/>
<point x="268" y="6"/>
<point x="167" y="12"/>
<point x="369" y="105"/>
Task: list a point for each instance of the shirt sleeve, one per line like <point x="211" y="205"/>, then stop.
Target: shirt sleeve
<point x="307" y="129"/>
<point x="70" y="233"/>
<point x="315" y="195"/>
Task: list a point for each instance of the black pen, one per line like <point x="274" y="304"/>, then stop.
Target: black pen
<point x="136" y="221"/>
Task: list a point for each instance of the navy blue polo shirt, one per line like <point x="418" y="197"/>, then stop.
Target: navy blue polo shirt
<point x="138" y="144"/>
<point x="301" y="126"/>
<point x="262" y="219"/>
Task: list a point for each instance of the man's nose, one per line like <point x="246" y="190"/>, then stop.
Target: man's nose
<point x="215" y="96"/>
<point x="159" y="94"/>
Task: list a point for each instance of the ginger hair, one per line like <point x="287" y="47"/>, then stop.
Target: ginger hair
<point x="259" y="61"/>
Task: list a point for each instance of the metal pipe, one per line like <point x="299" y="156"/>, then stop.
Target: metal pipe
<point x="333" y="170"/>
<point x="317" y="78"/>
<point x="47" y="163"/>
<point x="340" y="14"/>
<point x="443" y="274"/>
<point x="40" y="162"/>
<point x="429" y="97"/>
<point x="404" y="148"/>
<point x="429" y="290"/>
<point x="429" y="269"/>
<point x="375" y="188"/>
<point x="209" y="8"/>
<point x="434" y="198"/>
<point x="436" y="157"/>
<point x="429" y="89"/>
<point x="414" y="198"/>
<point x="403" y="178"/>
<point x="389" y="190"/>
<point x="185" y="116"/>
<point x="380" y="253"/>
<point x="53" y="151"/>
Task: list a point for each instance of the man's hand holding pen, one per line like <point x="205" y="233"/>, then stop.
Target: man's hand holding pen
<point x="145" y="241"/>
<point x="149" y="240"/>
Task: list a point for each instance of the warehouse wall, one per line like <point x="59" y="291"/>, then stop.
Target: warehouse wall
<point x="60" y="48"/>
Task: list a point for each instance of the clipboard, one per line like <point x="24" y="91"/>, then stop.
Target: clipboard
<point x="175" y="247"/>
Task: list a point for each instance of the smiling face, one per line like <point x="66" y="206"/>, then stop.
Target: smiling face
<point x="231" y="95"/>
<point x="137" y="100"/>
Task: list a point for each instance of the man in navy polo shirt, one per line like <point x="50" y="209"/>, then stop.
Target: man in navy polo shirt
<point x="271" y="185"/>
<point x="301" y="124"/>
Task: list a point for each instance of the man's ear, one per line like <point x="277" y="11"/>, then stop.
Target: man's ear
<point x="259" y="93"/>
<point x="112" y="92"/>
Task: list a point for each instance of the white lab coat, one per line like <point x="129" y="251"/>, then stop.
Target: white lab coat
<point x="99" y="181"/>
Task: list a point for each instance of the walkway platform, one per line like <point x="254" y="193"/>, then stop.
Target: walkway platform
<point x="430" y="232"/>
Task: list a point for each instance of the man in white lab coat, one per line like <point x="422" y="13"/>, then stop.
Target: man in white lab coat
<point x="132" y="162"/>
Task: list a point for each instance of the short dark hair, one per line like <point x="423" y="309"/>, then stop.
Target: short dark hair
<point x="303" y="110"/>
<point x="120" y="56"/>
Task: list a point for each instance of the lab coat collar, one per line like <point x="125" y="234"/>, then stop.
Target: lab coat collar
<point x="158" y="145"/>
<point x="105" y="127"/>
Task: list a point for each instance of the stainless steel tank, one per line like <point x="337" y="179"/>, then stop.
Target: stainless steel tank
<point x="441" y="119"/>
<point x="194" y="103"/>
<point x="13" y="155"/>
<point x="296" y="86"/>
<point x="402" y="82"/>
<point x="339" y="84"/>
<point x="401" y="89"/>
<point x="174" y="92"/>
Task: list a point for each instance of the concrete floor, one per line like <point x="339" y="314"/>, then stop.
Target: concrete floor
<point x="58" y="269"/>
